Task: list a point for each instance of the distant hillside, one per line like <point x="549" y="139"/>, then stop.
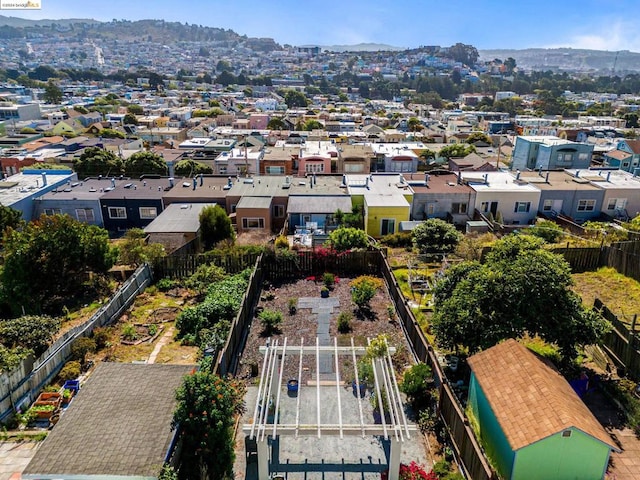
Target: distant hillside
<point x="124" y="30"/>
<point x="569" y="59"/>
<point x="22" y="22"/>
<point x="361" y="47"/>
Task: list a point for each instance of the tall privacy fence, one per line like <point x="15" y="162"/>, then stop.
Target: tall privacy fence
<point x="21" y="386"/>
<point x="178" y="265"/>
<point x="464" y="441"/>
<point x="622" y="343"/>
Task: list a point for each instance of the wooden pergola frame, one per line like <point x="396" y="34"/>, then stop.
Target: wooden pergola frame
<point x="397" y="430"/>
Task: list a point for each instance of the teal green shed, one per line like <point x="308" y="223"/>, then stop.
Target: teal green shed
<point x="531" y="422"/>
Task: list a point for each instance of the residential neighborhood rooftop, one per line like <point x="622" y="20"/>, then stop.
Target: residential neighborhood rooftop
<point x="130" y="407"/>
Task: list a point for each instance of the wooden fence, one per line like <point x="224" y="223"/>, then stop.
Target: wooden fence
<point x="467" y="448"/>
<point x="622" y="342"/>
<point x="227" y="359"/>
<point x="182" y="266"/>
<point x="624" y="257"/>
<point x="305" y="263"/>
<point x="20" y="387"/>
<point x="582" y="259"/>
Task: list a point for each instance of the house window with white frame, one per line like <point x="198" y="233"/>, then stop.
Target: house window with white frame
<point x="53" y="211"/>
<point x="522" y="207"/>
<point x="117" y="212"/>
<point x="484" y="207"/>
<point x="249" y="223"/>
<point x="314" y="167"/>
<point x="586" y="205"/>
<point x="148" y="212"/>
<point x="547" y="206"/>
<point x="85" y="215"/>
<point x="274" y="170"/>
<point x="583" y="157"/>
<point x="611" y="204"/>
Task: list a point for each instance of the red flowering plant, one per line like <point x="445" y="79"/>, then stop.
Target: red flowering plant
<point x="414" y="471"/>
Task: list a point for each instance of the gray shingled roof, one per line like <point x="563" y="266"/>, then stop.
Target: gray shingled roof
<point x="118" y="424"/>
<point x="178" y="218"/>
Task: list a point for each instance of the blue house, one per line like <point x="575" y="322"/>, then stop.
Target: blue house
<point x="20" y="190"/>
<point x="625" y="157"/>
<point x="530" y="421"/>
<point x="549" y="153"/>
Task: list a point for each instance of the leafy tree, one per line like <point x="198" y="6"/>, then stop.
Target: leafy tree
<point x="435" y="236"/>
<point x="9" y="218"/>
<point x="134" y="250"/>
<point x="294" y="99"/>
<point x="30" y="332"/>
<point x="96" y="161"/>
<point x="521" y="288"/>
<point x="191" y="168"/>
<point x="226" y="78"/>
<point x="10" y="358"/>
<point x="81" y="347"/>
<point x="205" y="415"/>
<point x="414" y="124"/>
<point x="130" y="119"/>
<point x="141" y="163"/>
<point x="478" y="137"/>
<point x="49" y="259"/>
<point x="135" y="109"/>
<point x="457" y="150"/>
<point x="312" y="124"/>
<point x="215" y="226"/>
<point x="276" y="124"/>
<point x="52" y="93"/>
<point x="548" y="230"/>
<point x="347" y="238"/>
<point x="466" y="54"/>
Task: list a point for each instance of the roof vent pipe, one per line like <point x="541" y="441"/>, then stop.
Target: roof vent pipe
<point x="44" y="179"/>
<point x="517" y="174"/>
<point x="609" y="175"/>
<point x="546" y="178"/>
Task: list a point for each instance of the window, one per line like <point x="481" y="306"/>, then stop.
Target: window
<point x="53" y="211"/>
<point x="484" y="207"/>
<point x="117" y="212"/>
<point x="522" y="207"/>
<point x="586" y="205"/>
<point x="583" y="156"/>
<point x="547" y="206"/>
<point x="275" y="170"/>
<point x="566" y="433"/>
<point x="314" y="167"/>
<point x="612" y="204"/>
<point x="387" y="226"/>
<point x="353" y="168"/>
<point x="85" y="215"/>
<point x="431" y="208"/>
<point x="233" y="208"/>
<point x="252" y="223"/>
<point x="278" y="211"/>
<point x="458" y="208"/>
<point x="148" y="212"/>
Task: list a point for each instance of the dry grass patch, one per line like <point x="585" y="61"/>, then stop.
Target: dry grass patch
<point x="619" y="293"/>
<point x="175" y="353"/>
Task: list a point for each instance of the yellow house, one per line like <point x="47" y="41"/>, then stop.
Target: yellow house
<point x="383" y="213"/>
<point x="385" y="200"/>
<point x="67" y="127"/>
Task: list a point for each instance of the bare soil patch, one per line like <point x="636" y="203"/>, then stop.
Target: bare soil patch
<point x="303" y="325"/>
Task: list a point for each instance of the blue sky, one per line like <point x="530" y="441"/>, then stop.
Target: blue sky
<point x="595" y="24"/>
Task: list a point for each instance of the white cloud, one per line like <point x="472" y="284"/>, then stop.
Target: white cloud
<point x="609" y="35"/>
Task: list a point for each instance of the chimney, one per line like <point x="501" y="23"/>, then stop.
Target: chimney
<point x="44" y="179"/>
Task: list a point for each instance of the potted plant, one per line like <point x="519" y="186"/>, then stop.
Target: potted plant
<point x="43" y="411"/>
<point x="67" y="395"/>
<point x="324" y="292"/>
<point x="293" y="306"/>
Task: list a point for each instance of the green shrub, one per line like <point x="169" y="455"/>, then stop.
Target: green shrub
<point x="70" y="371"/>
<point x="153" y="329"/>
<point x="453" y="476"/>
<point x="549" y="231"/>
<point x="415" y="380"/>
<point x="344" y="322"/>
<point x="101" y="337"/>
<point x="363" y="290"/>
<point x="400" y="239"/>
<point x="293" y="306"/>
<point x="329" y="279"/>
<point x="347" y="238"/>
<point x="282" y="242"/>
<point x="203" y="277"/>
<point x="442" y="468"/>
<point x="82" y="346"/>
<point x="270" y="320"/>
<point x="166" y="284"/>
<point x="129" y="332"/>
